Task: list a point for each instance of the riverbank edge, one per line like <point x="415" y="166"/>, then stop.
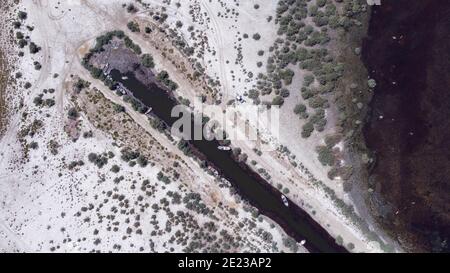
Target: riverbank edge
<point x="356" y="153"/>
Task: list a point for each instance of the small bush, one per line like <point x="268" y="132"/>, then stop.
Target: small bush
<point x="22" y="15"/>
<point x="307" y="129"/>
<point x="133" y="26"/>
<point x="299" y="108"/>
<point x="147" y="61"/>
<point x="326" y="155"/>
<point x="278" y="100"/>
<point x="72" y="113"/>
<point x="34" y="48"/>
<point x="115" y="168"/>
<point x="131" y="8"/>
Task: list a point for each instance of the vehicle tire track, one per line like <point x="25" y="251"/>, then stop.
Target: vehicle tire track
<point x="220" y="45"/>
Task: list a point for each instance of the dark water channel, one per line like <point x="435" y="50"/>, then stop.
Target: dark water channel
<point x="248" y="184"/>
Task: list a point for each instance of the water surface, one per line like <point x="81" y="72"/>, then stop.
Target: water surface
<point x="408" y="53"/>
<point x="296" y="222"/>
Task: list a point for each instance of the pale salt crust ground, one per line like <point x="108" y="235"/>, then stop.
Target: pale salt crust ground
<point x="61" y="33"/>
<point x="40" y="197"/>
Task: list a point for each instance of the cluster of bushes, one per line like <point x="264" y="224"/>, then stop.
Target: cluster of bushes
<point x="34" y="48"/>
<point x="133" y="26"/>
<point x="37" y="65"/>
<point x="22" y="15"/>
<point x="105" y="39"/>
<point x="278" y="101"/>
<point x="99" y="160"/>
<point x="157" y="124"/>
<point x="185" y="147"/>
<point x="133" y="157"/>
<point x="161" y="177"/>
<point x="33" y="145"/>
<point x="39" y="101"/>
<point x="147" y="61"/>
<point x="115" y="168"/>
<point x="131" y="45"/>
<point x="21" y="38"/>
<point x="131" y="8"/>
<point x="118" y="108"/>
<point x="176" y="197"/>
<point x="73" y="113"/>
<point x="160" y="17"/>
<point x="53" y="146"/>
<point x="193" y="202"/>
<point x="88" y="134"/>
<point x="326" y="155"/>
<point x="101" y="41"/>
<point x="135" y="104"/>
<point x="301" y="45"/>
<point x="80" y="84"/>
<point x="290" y="243"/>
<point x="256" y="36"/>
<point x="316" y="121"/>
<point x="300" y="110"/>
<point x="164" y="78"/>
<point x="74" y="164"/>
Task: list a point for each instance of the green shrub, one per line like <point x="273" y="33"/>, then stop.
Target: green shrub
<point x="307" y="129"/>
<point x="115" y="168"/>
<point x="308" y="80"/>
<point x="278" y="100"/>
<point x="326" y="155"/>
<point x="350" y="246"/>
<point x="133" y="26"/>
<point x="22" y="15"/>
<point x="147" y="61"/>
<point x="299" y="108"/>
<point x="72" y="113"/>
<point x="256" y="36"/>
<point x="34" y="48"/>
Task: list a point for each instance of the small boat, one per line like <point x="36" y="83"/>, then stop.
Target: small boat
<point x="224" y="148"/>
<point x="148" y="111"/>
<point x="302" y="242"/>
<point x="124" y="78"/>
<point x="239" y="98"/>
<point x="285" y="201"/>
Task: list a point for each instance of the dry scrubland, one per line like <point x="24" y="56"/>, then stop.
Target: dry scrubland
<point x="81" y="170"/>
<point x="81" y="173"/>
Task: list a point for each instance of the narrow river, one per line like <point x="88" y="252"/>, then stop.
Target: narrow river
<point x="295" y="222"/>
